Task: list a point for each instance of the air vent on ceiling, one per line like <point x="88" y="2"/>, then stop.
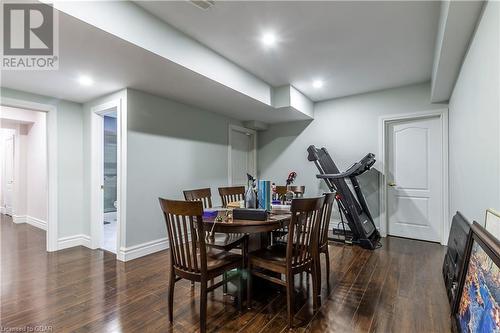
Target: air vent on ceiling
<point x="203" y="4"/>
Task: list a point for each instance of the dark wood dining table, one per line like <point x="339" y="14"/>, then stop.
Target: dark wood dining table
<point x="273" y="222"/>
<point x="276" y="219"/>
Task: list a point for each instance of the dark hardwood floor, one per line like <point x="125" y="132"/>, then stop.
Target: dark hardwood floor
<point x="397" y="288"/>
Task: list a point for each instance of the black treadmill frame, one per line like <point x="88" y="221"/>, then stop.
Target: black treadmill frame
<point x="352" y="207"/>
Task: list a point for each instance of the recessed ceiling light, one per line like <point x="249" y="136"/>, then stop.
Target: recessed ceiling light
<point x="268" y="39"/>
<point x="317" y="84"/>
<point x="85" y="80"/>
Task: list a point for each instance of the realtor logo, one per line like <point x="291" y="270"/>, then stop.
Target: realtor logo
<point x="29" y="36"/>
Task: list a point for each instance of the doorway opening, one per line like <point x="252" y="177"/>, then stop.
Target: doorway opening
<point x="7" y="176"/>
<point x="242" y="155"/>
<point x="110" y="177"/>
<point x="24" y="166"/>
<point x="107" y="186"/>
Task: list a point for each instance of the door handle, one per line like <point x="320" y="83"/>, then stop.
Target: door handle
<point x="102" y="187"/>
<point x="392" y="184"/>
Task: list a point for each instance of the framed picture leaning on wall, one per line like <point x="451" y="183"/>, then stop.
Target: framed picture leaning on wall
<point x="492" y="222"/>
<point x="477" y="307"/>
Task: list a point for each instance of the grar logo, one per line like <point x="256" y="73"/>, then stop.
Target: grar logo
<point x="28" y="29"/>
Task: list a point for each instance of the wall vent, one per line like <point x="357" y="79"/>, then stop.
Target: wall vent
<point x="203" y="4"/>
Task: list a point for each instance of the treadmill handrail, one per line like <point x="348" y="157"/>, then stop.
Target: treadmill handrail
<point x="332" y="176"/>
<point x="346" y="174"/>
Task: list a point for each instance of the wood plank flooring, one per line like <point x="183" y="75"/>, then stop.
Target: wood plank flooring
<point x="397" y="288"/>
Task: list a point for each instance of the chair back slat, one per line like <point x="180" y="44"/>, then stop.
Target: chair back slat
<point x="298" y="190"/>
<point x="325" y="218"/>
<point x="184" y="227"/>
<point x="203" y="194"/>
<point x="303" y="231"/>
<point x="231" y="194"/>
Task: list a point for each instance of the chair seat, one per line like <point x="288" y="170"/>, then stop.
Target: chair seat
<point x="225" y="242"/>
<point x="274" y="254"/>
<point x="219" y="259"/>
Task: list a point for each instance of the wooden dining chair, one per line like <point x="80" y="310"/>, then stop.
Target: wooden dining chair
<point x="323" y="236"/>
<point x="294" y="257"/>
<point x="203" y="194"/>
<point x="279" y="235"/>
<point x="189" y="258"/>
<point x="231" y="194"/>
<point x="281" y="192"/>
<point x="219" y="241"/>
<point x="298" y="190"/>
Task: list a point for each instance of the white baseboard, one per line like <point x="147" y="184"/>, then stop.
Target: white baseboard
<point x="41" y="224"/>
<point x="141" y="250"/>
<point x="18" y="219"/>
<point x="72" y="241"/>
<point x="37" y="223"/>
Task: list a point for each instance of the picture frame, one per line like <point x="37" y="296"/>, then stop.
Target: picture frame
<point x="477" y="304"/>
<point x="492" y="222"/>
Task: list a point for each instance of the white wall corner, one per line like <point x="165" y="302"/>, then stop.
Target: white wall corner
<point x="141" y="250"/>
<point x="18" y="219"/>
<point x="72" y="241"/>
<point x="287" y="97"/>
<point x="38" y="223"/>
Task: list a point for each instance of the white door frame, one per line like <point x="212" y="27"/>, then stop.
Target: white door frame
<point x="241" y="129"/>
<point x="52" y="149"/>
<point x="384" y="122"/>
<point x="4" y="179"/>
<point x="97" y="174"/>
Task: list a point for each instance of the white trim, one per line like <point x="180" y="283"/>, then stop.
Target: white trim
<point x="237" y="128"/>
<point x="19" y="219"/>
<point x="96" y="170"/>
<point x="52" y="150"/>
<point x="2" y="210"/>
<point x="72" y="241"/>
<point x="382" y="165"/>
<point x="37" y="223"/>
<point x="143" y="249"/>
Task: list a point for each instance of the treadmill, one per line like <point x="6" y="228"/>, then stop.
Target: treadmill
<point x="352" y="205"/>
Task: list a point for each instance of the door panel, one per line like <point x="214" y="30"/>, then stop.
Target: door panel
<point x="414" y="179"/>
<point x="242" y="159"/>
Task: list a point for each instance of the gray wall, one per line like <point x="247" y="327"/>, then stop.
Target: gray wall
<point x="474" y="124"/>
<point x="70" y="160"/>
<point x="348" y="127"/>
<point x="171" y="147"/>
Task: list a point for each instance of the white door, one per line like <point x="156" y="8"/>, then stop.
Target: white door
<point x="415" y="184"/>
<point x="242" y="155"/>
<point x="9" y="174"/>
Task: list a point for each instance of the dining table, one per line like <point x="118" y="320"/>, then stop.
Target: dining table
<point x="258" y="236"/>
<point x="277" y="218"/>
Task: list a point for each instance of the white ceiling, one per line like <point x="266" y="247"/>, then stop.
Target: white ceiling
<point x="115" y="64"/>
<point x="355" y="47"/>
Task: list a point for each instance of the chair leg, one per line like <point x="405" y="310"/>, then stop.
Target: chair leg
<point x="318" y="275"/>
<point x="249" y="286"/>
<point x="240" y="289"/>
<point x="327" y="254"/>
<point x="315" y="281"/>
<point x="203" y="306"/>
<point x="171" y="287"/>
<point x="224" y="286"/>
<point x="290" y="298"/>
